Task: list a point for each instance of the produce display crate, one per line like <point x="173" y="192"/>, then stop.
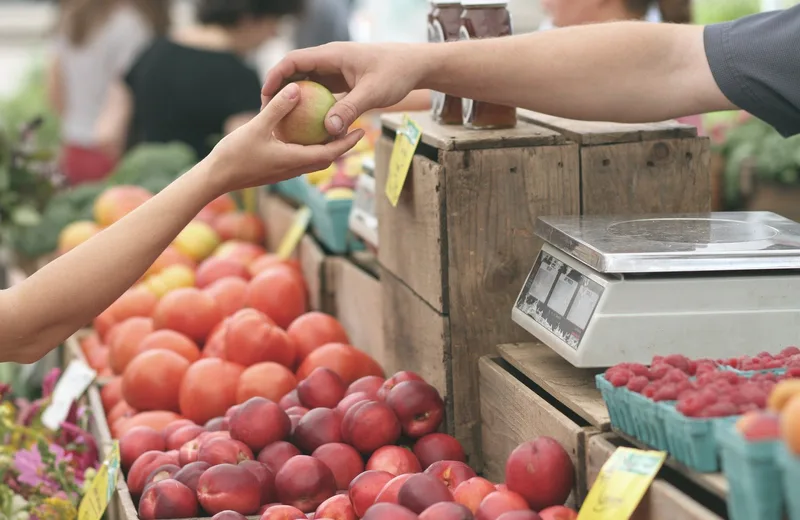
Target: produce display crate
<point x="330" y="222"/>
<point x="459" y="244"/>
<point x="664" y="500"/>
<point x="790" y="473"/>
<point x="295" y="189"/>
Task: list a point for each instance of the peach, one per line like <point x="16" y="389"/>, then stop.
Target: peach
<point x="343" y="460"/>
<point x="370" y="385"/>
<point x="76" y="234"/>
<point x="759" y="426"/>
<point x="446" y="511"/>
<point x="137" y="441"/>
<point x="230" y="294"/>
<point x="541" y="472"/>
<point x="365" y="488"/>
<point x="252" y="337"/>
<point x="418" y="406"/>
<point x="350" y="400"/>
<point x="190" y="311"/>
<point x="282" y="512"/>
<point x="790" y="425"/>
<point x="558" y="513"/>
<point x="317" y="427"/>
<point x="421" y="491"/>
<point x="228" y="515"/>
<point x="297" y="410"/>
<point x="305" y="124"/>
<point x="395" y="460"/>
<point x="189" y="475"/>
<point x="167" y="499"/>
<point x="265" y="476"/>
<point x="161" y="473"/>
<point x="269" y="380"/>
<point x="223" y="451"/>
<point x="520" y="515"/>
<point x="295" y="421"/>
<point x="438" y="446"/>
<point x="389" y="512"/>
<point x="499" y="502"/>
<point x="229" y="487"/>
<point x="190" y="451"/>
<point x="289" y="400"/>
<point x="337" y="507"/>
<point x="323" y="388"/>
<point x="392" y="488"/>
<point x="244" y="252"/>
<point x="781" y="394"/>
<point x="471" y="492"/>
<point x="259" y="422"/>
<point x="175" y="426"/>
<point x="400" y="377"/>
<point x="116" y="202"/>
<point x="217" y="424"/>
<point x="184" y="435"/>
<point x="239" y="225"/>
<point x="144" y="466"/>
<point x="197" y="241"/>
<point x="215" y="268"/>
<point x="304" y="482"/>
<point x="370" y="425"/>
<point x="451" y="472"/>
<point x="276" y="454"/>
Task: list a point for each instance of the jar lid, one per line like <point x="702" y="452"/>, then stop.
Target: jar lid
<point x="487" y="3"/>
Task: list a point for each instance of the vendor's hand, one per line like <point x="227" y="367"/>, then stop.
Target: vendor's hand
<point x="252" y="156"/>
<point x="373" y="76"/>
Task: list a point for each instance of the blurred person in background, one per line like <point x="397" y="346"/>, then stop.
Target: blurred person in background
<point x="195" y="85"/>
<point x="96" y="43"/>
<point x="324" y="21"/>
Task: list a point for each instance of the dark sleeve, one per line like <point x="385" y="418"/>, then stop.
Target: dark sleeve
<point x="242" y="93"/>
<point x="756" y="63"/>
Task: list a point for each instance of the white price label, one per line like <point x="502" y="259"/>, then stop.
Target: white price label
<point x="363" y="222"/>
<point x="543" y="282"/>
<point x="562" y="294"/>
<point x="72" y="384"/>
<point x="583" y="307"/>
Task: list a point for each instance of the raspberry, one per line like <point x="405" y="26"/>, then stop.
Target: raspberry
<point x="692" y="368"/>
<point x="686" y="393"/>
<point x="678" y="361"/>
<point x="639" y="369"/>
<point x="793" y="372"/>
<point x="668" y="392"/>
<point x="720" y="409"/>
<point x="618" y="378"/>
<point x="657" y="360"/>
<point x="650" y="390"/>
<point x="691" y="405"/>
<point x="752" y="393"/>
<point x="659" y="371"/>
<point x="789" y="351"/>
<point x="764" y="355"/>
<point x="637" y="383"/>
<point x="748" y="407"/>
<point x="676" y="376"/>
<point x="775" y="363"/>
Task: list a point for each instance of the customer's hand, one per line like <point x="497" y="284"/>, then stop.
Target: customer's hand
<point x="252" y="156"/>
<point x="373" y="76"/>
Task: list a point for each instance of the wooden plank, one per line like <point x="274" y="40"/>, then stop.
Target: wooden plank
<point x="593" y="133"/>
<point x="278" y="215"/>
<point x="98" y="423"/>
<point x="666" y="176"/>
<point x="574" y="387"/>
<point x="357" y="304"/>
<point x="312" y="263"/>
<point x="493" y="199"/>
<point x="456" y="137"/>
<point x="512" y="414"/>
<point x="662" y="502"/>
<point x="413" y="240"/>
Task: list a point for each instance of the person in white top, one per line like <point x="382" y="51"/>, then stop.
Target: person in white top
<point x="96" y="43"/>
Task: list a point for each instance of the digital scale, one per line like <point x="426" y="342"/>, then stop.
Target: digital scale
<point x="363" y="222"/>
<point x="606" y="290"/>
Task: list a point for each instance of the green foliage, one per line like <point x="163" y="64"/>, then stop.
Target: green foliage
<point x="29" y="103"/>
<point x="716" y="11"/>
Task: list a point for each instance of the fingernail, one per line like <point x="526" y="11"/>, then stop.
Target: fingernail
<point x="292" y="91"/>
<point x="336" y="123"/>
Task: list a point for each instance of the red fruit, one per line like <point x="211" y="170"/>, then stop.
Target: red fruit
<point x="418" y="406"/>
<point x="338" y="507"/>
<point x="224" y="451"/>
<point x="499" y="502"/>
<point x="144" y="466"/>
<point x="180" y="437"/>
<point x="208" y="389"/>
<point x="259" y="422"/>
<point x="167" y="499"/>
<point x="218" y="424"/>
<point x="323" y="388"/>
<point x="400" y="377"/>
<point x="305" y="483"/>
<point x="276" y="454"/>
<point x="290" y="400"/>
<point x="189" y="311"/>
<point x="161" y="473"/>
<point x="422" y="491"/>
<point x="541" y="472"/>
<point x="190" y="451"/>
<point x="619" y="378"/>
<point x="395" y="460"/>
<point x="239" y="225"/>
<point x="558" y="513"/>
<point x="369" y="385"/>
<point x="364" y="489"/>
<point x="451" y="473"/>
<point x="313" y="330"/>
<point x="189" y="475"/>
<point x="390" y="491"/>
<point x="438" y="446"/>
<point x="137" y="441"/>
<point x="668" y="392"/>
<point x="278" y="293"/>
<point x="346" y="360"/>
<point x="216" y="268"/>
<point x="343" y="460"/>
<point x="230" y="294"/>
<point x="519" y="515"/>
<point x="446" y="511"/>
<point x="266" y="479"/>
<point x="317" y="427"/>
<point x="637" y="383"/>
<point x="720" y="409"/>
<point x="253" y="338"/>
<point x="471" y="492"/>
<point x="389" y="512"/>
<point x="229" y="487"/>
<point x="297" y="410"/>
<point x="281" y="512"/>
<point x="369" y="426"/>
<point x="348" y="402"/>
<point x="229" y="515"/>
<point x="657" y="371"/>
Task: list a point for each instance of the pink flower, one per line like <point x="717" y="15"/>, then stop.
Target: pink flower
<point x="49" y="382"/>
<point x="30" y="467"/>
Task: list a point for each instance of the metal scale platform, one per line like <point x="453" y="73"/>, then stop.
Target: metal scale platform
<point x="605" y="290"/>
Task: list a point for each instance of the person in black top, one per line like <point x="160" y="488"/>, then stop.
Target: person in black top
<point x="194" y="86"/>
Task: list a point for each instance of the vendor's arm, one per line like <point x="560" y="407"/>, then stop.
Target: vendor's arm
<point x="626" y="71"/>
<point x="45" y="309"/>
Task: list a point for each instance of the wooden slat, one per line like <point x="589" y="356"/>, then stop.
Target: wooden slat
<point x="413" y="240"/>
<point x="593" y="133"/>
<point x="278" y="215"/>
<point x="312" y="263"/>
<point x="573" y="387"/>
<point x="456" y="137"/>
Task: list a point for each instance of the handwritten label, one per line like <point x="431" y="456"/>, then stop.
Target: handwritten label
<point x="405" y="145"/>
<point x="98" y="496"/>
<point x="292" y="238"/>
<point x="72" y="384"/>
<point x="623" y="481"/>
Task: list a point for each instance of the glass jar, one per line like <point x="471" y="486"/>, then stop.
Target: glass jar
<point x="444" y="25"/>
<point x="486" y="19"/>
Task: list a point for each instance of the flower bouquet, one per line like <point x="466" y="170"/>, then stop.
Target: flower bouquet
<point x="43" y="473"/>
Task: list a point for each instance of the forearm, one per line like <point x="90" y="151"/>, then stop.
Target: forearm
<point x="625" y="72"/>
<point x="68" y="293"/>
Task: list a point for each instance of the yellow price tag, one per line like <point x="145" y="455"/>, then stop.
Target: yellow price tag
<point x="250" y="199"/>
<point x="289" y="243"/>
<point x="405" y="144"/>
<point x="94" y="503"/>
<point x="623" y="481"/>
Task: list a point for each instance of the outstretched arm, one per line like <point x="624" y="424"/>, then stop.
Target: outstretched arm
<point x="45" y="309"/>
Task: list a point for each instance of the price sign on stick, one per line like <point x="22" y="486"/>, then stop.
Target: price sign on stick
<point x="292" y="238"/>
<point x="98" y="496"/>
<point x="405" y="144"/>
<point x="71" y="385"/>
<point x="621" y="484"/>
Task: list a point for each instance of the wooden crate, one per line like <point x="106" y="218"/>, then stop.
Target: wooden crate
<point x="664" y="501"/>
<point x="513" y="411"/>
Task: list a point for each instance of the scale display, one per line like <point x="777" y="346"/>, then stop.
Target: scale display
<point x="559" y="298"/>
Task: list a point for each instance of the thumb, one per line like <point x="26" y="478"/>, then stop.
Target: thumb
<point x="279" y="106"/>
<point x="349" y="108"/>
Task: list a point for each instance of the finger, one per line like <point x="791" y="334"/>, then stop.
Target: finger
<point x="279" y="107"/>
<point x="333" y="150"/>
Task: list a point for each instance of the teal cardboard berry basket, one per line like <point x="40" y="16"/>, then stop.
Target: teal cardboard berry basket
<point x="789" y="464"/>
<point x="330" y="222"/>
<point x="295" y="189"/>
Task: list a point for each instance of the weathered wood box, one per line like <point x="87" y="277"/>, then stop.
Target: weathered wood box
<point x="457" y="248"/>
